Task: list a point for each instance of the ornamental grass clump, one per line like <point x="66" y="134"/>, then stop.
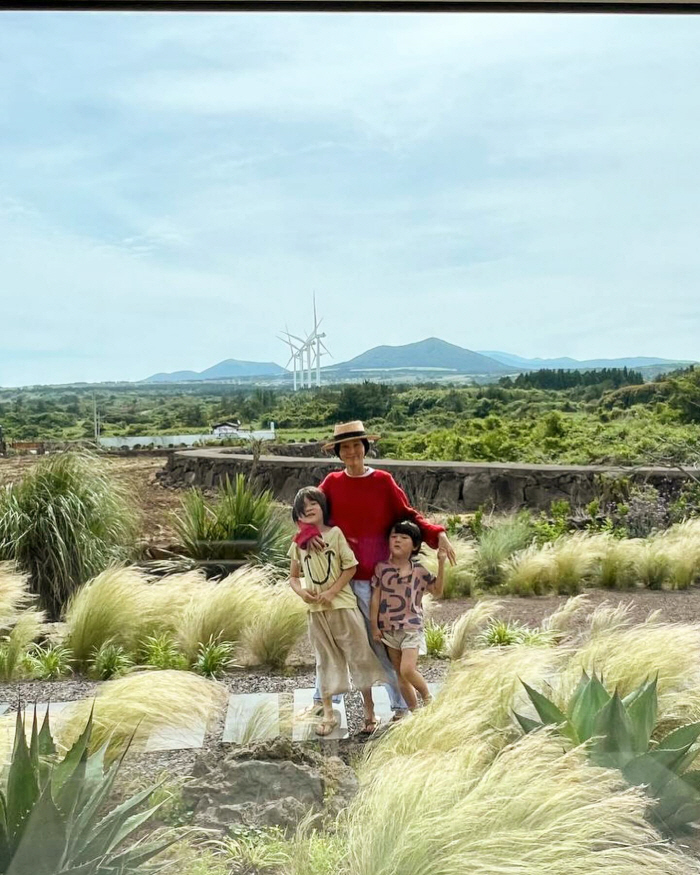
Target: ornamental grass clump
<point x="497" y="544"/>
<point x="460" y="578"/>
<point x="531" y="808"/>
<point x="139" y="704"/>
<point x="529" y="572"/>
<point x="616" y="567"/>
<point x="63" y="523"/>
<point x="271" y="634"/>
<point x="461" y="635"/>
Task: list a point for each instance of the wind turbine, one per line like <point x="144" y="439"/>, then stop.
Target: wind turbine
<point x="297" y="355"/>
<point x="316" y="338"/>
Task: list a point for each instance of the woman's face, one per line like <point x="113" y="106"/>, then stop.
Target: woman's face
<point x="352" y="452"/>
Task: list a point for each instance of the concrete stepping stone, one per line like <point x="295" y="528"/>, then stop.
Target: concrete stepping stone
<point x="303" y="730"/>
<point x="252" y="717"/>
<point x="176" y="738"/>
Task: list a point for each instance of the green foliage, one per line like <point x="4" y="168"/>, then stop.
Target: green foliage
<point x="435" y="639"/>
<point x="64" y="522"/>
<point x="242" y="524"/>
<point x="15" y="645"/>
<point x="48" y="662"/>
<point x="162" y="652"/>
<point x="109" y="661"/>
<point x="549" y="528"/>
<point x="561" y="379"/>
<point x="620" y="732"/>
<point x="213" y="658"/>
<point x="507" y="633"/>
<point x="498" y="543"/>
<point x="52" y="813"/>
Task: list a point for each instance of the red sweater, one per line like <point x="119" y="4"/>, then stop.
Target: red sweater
<point x="365" y="509"/>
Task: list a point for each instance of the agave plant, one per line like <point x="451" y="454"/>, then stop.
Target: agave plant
<point x="619" y="733"/>
<point x="52" y="817"/>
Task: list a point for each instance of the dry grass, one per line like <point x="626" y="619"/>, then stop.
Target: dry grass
<point x="141" y="703"/>
<point x="461" y="577"/>
<point x="462" y="633"/>
<point x="270" y="635"/>
<point x="532" y="809"/>
<point x="14" y="593"/>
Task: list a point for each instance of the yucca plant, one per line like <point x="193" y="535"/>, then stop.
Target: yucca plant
<point x="242" y="524"/>
<point x="52" y="811"/>
<point x="619" y="732"/>
<point x="64" y="522"/>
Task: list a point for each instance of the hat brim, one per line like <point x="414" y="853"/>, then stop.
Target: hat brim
<point x="356" y="437"/>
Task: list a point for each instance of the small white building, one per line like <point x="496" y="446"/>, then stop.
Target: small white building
<point x="223" y="429"/>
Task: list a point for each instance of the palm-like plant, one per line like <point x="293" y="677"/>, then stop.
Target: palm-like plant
<point x="52" y="818"/>
<point x="242" y="524"/>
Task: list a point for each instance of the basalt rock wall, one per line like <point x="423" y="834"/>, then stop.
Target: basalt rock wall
<point x="446" y="486"/>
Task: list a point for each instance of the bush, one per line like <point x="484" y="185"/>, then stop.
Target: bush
<point x="109" y="661"/>
<point x="49" y="663"/>
<point x="498" y="543"/>
<point x="214" y="658"/>
<point x="242" y="524"/>
<point x="63" y="523"/>
<point x="435" y="639"/>
<point x="271" y="634"/>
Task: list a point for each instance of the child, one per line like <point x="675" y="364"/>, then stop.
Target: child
<point x="337" y="629"/>
<point x="396" y="611"/>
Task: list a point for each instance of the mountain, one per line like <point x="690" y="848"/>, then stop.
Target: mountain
<point x="566" y="363"/>
<point x="228" y="369"/>
<point x="430" y="354"/>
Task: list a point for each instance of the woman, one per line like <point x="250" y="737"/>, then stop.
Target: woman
<point x="365" y="504"/>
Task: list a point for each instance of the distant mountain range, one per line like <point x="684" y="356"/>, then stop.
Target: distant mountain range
<point x="566" y="363"/>
<point x="430" y="355"/>
<point x="228" y="369"/>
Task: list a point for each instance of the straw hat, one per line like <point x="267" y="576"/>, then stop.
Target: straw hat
<point x="349" y="431"/>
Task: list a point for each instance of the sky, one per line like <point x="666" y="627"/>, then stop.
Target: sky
<point x="175" y="187"/>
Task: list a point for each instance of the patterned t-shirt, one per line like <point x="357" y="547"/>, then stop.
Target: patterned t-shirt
<point x="400" y="603"/>
<point x="322" y="568"/>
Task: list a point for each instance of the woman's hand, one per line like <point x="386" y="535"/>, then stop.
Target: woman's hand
<point x="444" y="544"/>
<point x="316" y="544"/>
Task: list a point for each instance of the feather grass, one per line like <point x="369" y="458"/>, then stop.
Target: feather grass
<point x="533" y="809"/>
<point x="271" y="634"/>
<point x="462" y="633"/>
<point x="497" y="544"/>
<point x="563" y="619"/>
<point x="14" y="593"/>
<point x="460" y="578"/>
<point x="139" y="704"/>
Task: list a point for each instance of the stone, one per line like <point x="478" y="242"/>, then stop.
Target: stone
<point x="252" y="717"/>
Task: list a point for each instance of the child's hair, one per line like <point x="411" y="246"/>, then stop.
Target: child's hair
<point x="309" y="493"/>
<point x="408" y="527"/>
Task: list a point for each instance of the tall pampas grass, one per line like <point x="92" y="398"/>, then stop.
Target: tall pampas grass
<point x="140" y="704"/>
<point x="462" y="633"/>
<point x="532" y="809"/>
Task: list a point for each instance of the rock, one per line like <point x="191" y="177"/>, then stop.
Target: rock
<point x="271" y="783"/>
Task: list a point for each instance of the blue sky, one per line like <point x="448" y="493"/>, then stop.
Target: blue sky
<point x="174" y="187"/>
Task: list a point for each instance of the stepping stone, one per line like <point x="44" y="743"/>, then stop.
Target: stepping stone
<point x="382" y="707"/>
<point x="176" y="738"/>
<point x="252" y="717"/>
<point x="303" y="730"/>
<point x="3" y="707"/>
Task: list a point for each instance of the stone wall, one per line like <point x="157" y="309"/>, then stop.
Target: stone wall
<point x="443" y="486"/>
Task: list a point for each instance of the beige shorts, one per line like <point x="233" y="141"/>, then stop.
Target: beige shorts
<point x="404" y="639"/>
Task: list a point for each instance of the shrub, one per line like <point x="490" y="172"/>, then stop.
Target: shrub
<point x="110" y="660"/>
<point x="435" y="639"/>
<point x="653" y="565"/>
<point x="53" y="818"/>
<point x="242" y="524"/>
<point x="616" y="567"/>
<point x="501" y="633"/>
<point x="161" y="652"/>
<point x="620" y="732"/>
<point x="646" y="512"/>
<point x="214" y="658"/>
<point x="63" y="523"/>
<point x="48" y="663"/>
<point x="497" y="544"/>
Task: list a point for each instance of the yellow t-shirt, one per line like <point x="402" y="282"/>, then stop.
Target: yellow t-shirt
<point x="321" y="568"/>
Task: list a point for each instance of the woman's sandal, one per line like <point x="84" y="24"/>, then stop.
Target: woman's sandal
<point x="369" y="727"/>
<point x="326" y="726"/>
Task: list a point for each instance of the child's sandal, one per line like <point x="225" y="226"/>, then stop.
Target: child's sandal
<point x="369" y="727"/>
<point x="326" y="726"/>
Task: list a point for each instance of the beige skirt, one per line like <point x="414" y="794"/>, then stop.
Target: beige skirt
<point x="342" y="649"/>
